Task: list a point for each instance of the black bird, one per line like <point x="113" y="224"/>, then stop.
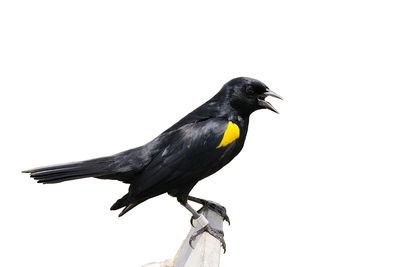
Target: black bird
<point x="195" y="147"/>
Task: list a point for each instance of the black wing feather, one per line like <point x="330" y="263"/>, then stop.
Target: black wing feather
<point x="191" y="154"/>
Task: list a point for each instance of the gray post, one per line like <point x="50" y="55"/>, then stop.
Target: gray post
<point x="206" y="249"/>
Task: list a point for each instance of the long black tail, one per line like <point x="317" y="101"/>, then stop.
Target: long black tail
<point x="71" y="171"/>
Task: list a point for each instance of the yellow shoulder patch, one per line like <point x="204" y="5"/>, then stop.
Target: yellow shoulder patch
<point x="232" y="133"/>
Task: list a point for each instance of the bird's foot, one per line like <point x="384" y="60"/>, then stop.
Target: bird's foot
<point x="211" y="205"/>
<point x="218" y="234"/>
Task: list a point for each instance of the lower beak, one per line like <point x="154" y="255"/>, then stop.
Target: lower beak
<point x="266" y="104"/>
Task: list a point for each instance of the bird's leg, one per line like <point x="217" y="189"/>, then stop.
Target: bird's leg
<point x="218" y="234"/>
<point x="212" y="206"/>
<point x="205" y="226"/>
<point x="195" y="214"/>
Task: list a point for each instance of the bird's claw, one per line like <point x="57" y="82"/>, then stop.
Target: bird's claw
<point x="221" y="210"/>
<point x="218" y="234"/>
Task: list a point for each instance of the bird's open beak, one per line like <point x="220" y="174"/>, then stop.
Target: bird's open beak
<point x="266" y="104"/>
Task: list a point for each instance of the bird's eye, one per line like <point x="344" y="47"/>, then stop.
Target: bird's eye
<point x="249" y="90"/>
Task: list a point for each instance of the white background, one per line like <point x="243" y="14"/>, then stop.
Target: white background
<point x="317" y="185"/>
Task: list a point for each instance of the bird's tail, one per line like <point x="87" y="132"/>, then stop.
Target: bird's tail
<point x="127" y="202"/>
<point x="71" y="171"/>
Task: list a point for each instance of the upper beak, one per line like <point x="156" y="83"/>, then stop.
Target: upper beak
<point x="273" y="94"/>
<point x="266" y="104"/>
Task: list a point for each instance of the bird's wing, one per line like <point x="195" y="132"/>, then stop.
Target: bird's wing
<point x="193" y="151"/>
<point x="127" y="164"/>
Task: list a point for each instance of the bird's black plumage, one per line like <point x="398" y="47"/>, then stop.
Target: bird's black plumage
<point x="195" y="147"/>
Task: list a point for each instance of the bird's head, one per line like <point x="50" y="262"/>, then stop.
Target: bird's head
<point x="247" y="95"/>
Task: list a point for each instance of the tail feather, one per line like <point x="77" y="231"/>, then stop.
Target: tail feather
<point x="123" y="203"/>
<point x="127" y="203"/>
<point x="72" y="171"/>
<point x="119" y="167"/>
<point x="127" y="208"/>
